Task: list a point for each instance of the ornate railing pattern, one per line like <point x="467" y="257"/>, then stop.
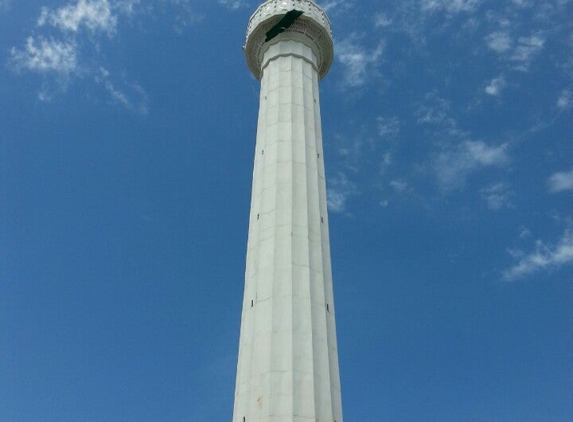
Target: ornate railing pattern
<point x="275" y="7"/>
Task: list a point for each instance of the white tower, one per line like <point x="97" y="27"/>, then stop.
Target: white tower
<point x="288" y="361"/>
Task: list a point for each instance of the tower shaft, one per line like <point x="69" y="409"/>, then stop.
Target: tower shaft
<point x="288" y="361"/>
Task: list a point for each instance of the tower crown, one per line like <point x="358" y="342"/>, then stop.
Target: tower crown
<point x="312" y="27"/>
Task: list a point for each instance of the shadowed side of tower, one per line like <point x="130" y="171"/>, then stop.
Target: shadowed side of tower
<point x="288" y="361"/>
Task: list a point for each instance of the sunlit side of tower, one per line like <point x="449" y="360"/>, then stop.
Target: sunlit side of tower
<point x="288" y="360"/>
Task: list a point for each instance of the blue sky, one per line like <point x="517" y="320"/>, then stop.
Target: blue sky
<point x="127" y="131"/>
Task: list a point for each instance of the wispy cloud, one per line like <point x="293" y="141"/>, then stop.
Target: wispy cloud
<point x="388" y="127"/>
<point x="495" y="86"/>
<point x="527" y="48"/>
<point x="450" y="6"/>
<point x="381" y="20"/>
<point x="399" y="186"/>
<point x="132" y="96"/>
<point x="452" y="151"/>
<point x="59" y="58"/>
<point x="340" y="189"/>
<point x="385" y="162"/>
<point x="95" y="15"/>
<point x="561" y="181"/>
<point x="500" y="41"/>
<point x="565" y="100"/>
<point x="520" y="53"/>
<point x="453" y="166"/>
<point x="435" y="111"/>
<point x="126" y="6"/>
<point x="522" y="3"/>
<point x="544" y="257"/>
<point x="524" y="232"/>
<point x="357" y="61"/>
<point x="456" y="155"/>
<point x="497" y="196"/>
<point x="233" y="4"/>
<point x="46" y="56"/>
<point x="81" y="23"/>
<point x="350" y="150"/>
<point x="333" y="7"/>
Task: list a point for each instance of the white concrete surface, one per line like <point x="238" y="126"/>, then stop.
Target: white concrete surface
<point x="288" y="361"/>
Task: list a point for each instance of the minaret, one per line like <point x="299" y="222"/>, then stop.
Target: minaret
<point x="288" y="360"/>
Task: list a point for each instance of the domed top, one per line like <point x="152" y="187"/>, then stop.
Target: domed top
<point x="311" y="27"/>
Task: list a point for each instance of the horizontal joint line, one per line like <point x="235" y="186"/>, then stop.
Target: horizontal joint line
<point x="286" y="55"/>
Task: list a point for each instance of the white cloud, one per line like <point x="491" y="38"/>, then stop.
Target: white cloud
<point x="454" y="166"/>
<point x="388" y="127"/>
<point x="559" y="182"/>
<point x="520" y="53"/>
<point x="399" y="186"/>
<point x="356" y="60"/>
<point x="449" y="6"/>
<point x="95" y="15"/>
<point x="59" y="55"/>
<point x="338" y="192"/>
<point x="386" y="162"/>
<point x="495" y="86"/>
<point x="499" y="42"/>
<point x="136" y="100"/>
<point x="232" y="4"/>
<point x="485" y="155"/>
<point x="46" y="55"/>
<point x="497" y="196"/>
<point x="565" y="99"/>
<point x="187" y="15"/>
<point x="522" y="3"/>
<point x="524" y="232"/>
<point x="335" y="6"/>
<point x="526" y="50"/>
<point x="542" y="258"/>
<point x="382" y="21"/>
<point x="126" y="6"/>
<point x="436" y="112"/>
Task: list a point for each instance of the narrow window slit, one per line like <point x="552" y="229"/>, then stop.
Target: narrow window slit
<point x="322" y="219"/>
<point x="252" y="303"/>
<point x="258" y="216"/>
<point x="327" y="308"/>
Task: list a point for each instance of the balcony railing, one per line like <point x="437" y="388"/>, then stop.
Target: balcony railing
<point x="278" y="7"/>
